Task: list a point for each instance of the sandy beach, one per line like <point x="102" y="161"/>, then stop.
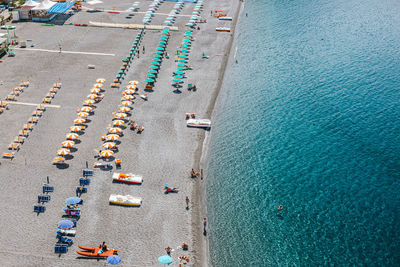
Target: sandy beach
<point x="164" y="153"/>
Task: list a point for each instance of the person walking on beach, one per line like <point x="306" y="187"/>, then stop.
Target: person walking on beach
<point x="143" y="49"/>
<point x="204" y="226"/>
<point x="187" y="202"/>
<point x="59" y="46"/>
<point x="168" y="250"/>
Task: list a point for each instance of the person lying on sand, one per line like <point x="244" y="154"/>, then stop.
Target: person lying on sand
<point x="193" y="174"/>
<point x="168" y="250"/>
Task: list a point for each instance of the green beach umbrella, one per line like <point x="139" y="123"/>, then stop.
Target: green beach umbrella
<point x="186" y="43"/>
<point x="149" y="80"/>
<point x="151" y="75"/>
<point x="155" y="63"/>
<point x="177" y="80"/>
<point x="154" y="67"/>
<point x="159" y="52"/>
<point x="179" y="72"/>
<point x="161" y="45"/>
<point x="184" y="53"/>
<point x="183" y="56"/>
<point x="165" y="35"/>
<point x="157" y="59"/>
<point x="162" y="42"/>
<point x="121" y="71"/>
<point x="157" y="55"/>
<point x="182" y="60"/>
<point x="180" y="64"/>
<point x="160" y="49"/>
<point x="152" y="71"/>
<point x="180" y="68"/>
<point x="119" y="75"/>
<point x="163" y="39"/>
<point x="178" y="76"/>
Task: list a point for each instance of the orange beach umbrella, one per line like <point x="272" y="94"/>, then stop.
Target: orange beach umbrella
<point x="126" y="103"/>
<point x="63" y="151"/>
<point x="100" y="80"/>
<point x="118" y="122"/>
<point x="114" y="130"/>
<point x="72" y="136"/>
<point x="109" y="145"/>
<point x="68" y="143"/>
<point x="76" y="128"/>
<point x="112" y="137"/>
<point x="106" y="153"/>
<point x="79" y="121"/>
<point x="120" y="115"/>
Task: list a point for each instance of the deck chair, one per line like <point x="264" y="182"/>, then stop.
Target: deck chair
<point x="33" y="120"/>
<point x="23" y="133"/>
<point x="61" y="248"/>
<point x="14" y="146"/>
<point x="65" y="240"/>
<point x="41" y="107"/>
<point x="57" y="85"/>
<point x="8" y="155"/>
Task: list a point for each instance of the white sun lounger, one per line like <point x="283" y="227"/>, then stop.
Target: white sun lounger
<point x="131" y="179"/>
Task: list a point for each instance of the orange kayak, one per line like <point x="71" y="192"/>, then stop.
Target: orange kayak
<point x="93" y="252"/>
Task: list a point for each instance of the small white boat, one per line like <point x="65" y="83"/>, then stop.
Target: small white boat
<point x="144" y="97"/>
<point x="127" y="200"/>
<point x="128" y="178"/>
<point x="202" y="123"/>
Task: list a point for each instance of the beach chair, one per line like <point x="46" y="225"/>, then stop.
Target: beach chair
<point x="11" y="97"/>
<point x="204" y="56"/>
<point x="28" y="126"/>
<point x="118" y="163"/>
<point x="33" y="120"/>
<point x="87" y="172"/>
<point x="61" y="248"/>
<point x="65" y="240"/>
<point x="19" y="139"/>
<point x="149" y="87"/>
<point x="15" y="92"/>
<point x="8" y="155"/>
<point x="3" y="104"/>
<point x="37" y="113"/>
<point x="1" y="110"/>
<point x="84" y="181"/>
<point x="39" y="209"/>
<point x="57" y="85"/>
<point x="41" y="107"/>
<point x="24" y="84"/>
<point x="46" y="100"/>
<point x="47" y="188"/>
<point x="24" y="133"/>
<point x="14" y="146"/>
<point x="80" y="190"/>
<point x="53" y="90"/>
<point x="43" y="198"/>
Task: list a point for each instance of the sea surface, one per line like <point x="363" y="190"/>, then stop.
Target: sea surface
<point x="309" y="118"/>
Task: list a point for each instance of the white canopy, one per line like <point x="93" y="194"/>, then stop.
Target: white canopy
<point x="44" y="5"/>
<point x="31" y="3"/>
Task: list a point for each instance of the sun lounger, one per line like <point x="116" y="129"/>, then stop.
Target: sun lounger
<point x="1" y="110"/>
<point x="25" y="84"/>
<point x="80" y="190"/>
<point x="53" y="90"/>
<point x="87" y="172"/>
<point x="28" y="126"/>
<point x="3" y="104"/>
<point x="201" y="123"/>
<point x="57" y="85"/>
<point x="129" y="178"/>
<point x="46" y="100"/>
<point x="114" y="85"/>
<point x="126" y="200"/>
<point x="19" y="139"/>
<point x="8" y="155"/>
<point x="84" y="181"/>
<point x="11" y="98"/>
<point x="62" y="239"/>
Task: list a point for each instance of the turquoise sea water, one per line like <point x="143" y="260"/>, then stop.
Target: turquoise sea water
<point x="312" y="125"/>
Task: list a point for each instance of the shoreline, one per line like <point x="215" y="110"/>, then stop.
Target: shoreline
<point x="201" y="156"/>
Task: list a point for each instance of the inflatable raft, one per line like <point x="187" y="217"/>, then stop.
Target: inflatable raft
<point x="202" y="123"/>
<point x="94" y="252"/>
<point x="128" y="178"/>
<point x="127" y="200"/>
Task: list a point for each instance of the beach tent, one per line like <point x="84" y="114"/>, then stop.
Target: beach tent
<point x="45" y="5"/>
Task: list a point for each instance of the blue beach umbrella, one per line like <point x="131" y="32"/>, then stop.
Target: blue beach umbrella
<point x="180" y="68"/>
<point x="155" y="63"/>
<point x="183" y="56"/>
<point x="159" y="52"/>
<point x="177" y="80"/>
<point x="154" y="67"/>
<point x="165" y="259"/>
<point x="180" y="64"/>
<point x="162" y="42"/>
<point x="164" y="35"/>
<point x="157" y="55"/>
<point x="149" y="80"/>
<point x="182" y="60"/>
<point x="151" y="75"/>
<point x="73" y="200"/>
<point x="65" y="224"/>
<point x="178" y="76"/>
<point x="163" y="39"/>
<point x="113" y="259"/>
<point x="157" y="59"/>
<point x="152" y="71"/>
<point x="179" y="72"/>
<point x="160" y="49"/>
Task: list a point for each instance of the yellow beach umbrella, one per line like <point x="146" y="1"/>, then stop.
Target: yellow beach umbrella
<point x="128" y="92"/>
<point x="79" y="121"/>
<point x="126" y="103"/>
<point x="92" y="96"/>
<point x="63" y="151"/>
<point x="83" y="115"/>
<point x="124" y="109"/>
<point x="98" y="85"/>
<point x="106" y="153"/>
<point x="89" y="102"/>
<point x="133" y="82"/>
<point x="76" y="128"/>
<point x="128" y="97"/>
<point x="72" y="136"/>
<point x="68" y="143"/>
<point x="109" y="145"/>
<point x="130" y="87"/>
<point x="87" y="109"/>
<point x="120" y="115"/>
<point x="112" y="137"/>
<point x="114" y="130"/>
<point x="100" y="80"/>
<point x="95" y="91"/>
